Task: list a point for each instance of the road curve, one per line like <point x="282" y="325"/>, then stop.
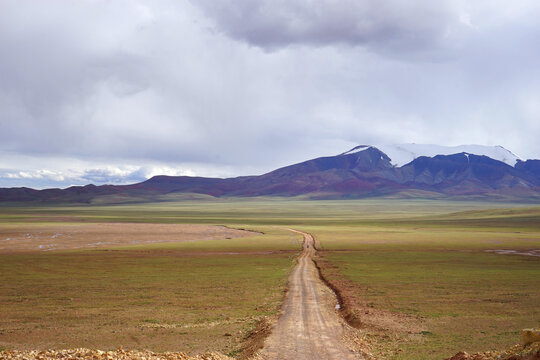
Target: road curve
<point x="308" y="326"/>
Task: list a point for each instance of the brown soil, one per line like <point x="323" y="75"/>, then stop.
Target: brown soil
<point x="373" y="324"/>
<point x="255" y="340"/>
<point x="50" y="237"/>
<point x="308" y="326"/>
<point x="518" y="352"/>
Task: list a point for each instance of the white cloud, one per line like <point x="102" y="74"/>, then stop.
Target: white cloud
<point x="44" y="171"/>
<point x="186" y="88"/>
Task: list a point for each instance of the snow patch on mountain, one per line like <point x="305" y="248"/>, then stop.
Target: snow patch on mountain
<point x="401" y="154"/>
<point x="357" y="149"/>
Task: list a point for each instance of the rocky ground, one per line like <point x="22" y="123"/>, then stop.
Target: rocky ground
<point x="89" y="354"/>
<point x="518" y="352"/>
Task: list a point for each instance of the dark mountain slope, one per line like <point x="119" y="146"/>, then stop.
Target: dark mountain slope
<point x="81" y="194"/>
<point x="371" y="159"/>
<point x="363" y="171"/>
<point x="464" y="174"/>
<point x="355" y="172"/>
<point x="530" y="167"/>
<point x="457" y="167"/>
<point x="166" y="184"/>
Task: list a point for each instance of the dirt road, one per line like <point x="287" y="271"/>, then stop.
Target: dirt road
<point x="308" y="326"/>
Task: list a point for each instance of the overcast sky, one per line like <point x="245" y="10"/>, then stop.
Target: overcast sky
<point x="117" y="91"/>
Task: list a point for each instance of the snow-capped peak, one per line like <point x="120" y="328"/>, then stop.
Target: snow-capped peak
<point x="357" y="149"/>
<point x="401" y="154"/>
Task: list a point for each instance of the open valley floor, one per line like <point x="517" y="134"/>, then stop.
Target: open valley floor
<point x="412" y="279"/>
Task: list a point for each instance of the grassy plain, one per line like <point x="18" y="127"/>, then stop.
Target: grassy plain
<point x="187" y="296"/>
<point x="417" y="267"/>
<point x="429" y="286"/>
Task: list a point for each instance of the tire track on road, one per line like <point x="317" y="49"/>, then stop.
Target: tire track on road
<point x="308" y="326"/>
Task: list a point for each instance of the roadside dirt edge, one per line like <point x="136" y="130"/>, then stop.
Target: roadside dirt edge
<point x="344" y="308"/>
<point x="255" y="339"/>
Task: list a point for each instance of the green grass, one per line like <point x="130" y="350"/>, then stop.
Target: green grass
<point x="419" y="258"/>
<point x="181" y="297"/>
<point x="265" y="211"/>
<point x="436" y="271"/>
<point x="270" y="239"/>
<point x="467" y="301"/>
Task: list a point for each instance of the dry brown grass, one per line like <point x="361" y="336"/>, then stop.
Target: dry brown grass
<point x="64" y="236"/>
<point x="166" y="293"/>
<point x="375" y="326"/>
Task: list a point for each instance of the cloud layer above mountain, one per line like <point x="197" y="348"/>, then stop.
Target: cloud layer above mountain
<point x="234" y="87"/>
<point x="393" y="27"/>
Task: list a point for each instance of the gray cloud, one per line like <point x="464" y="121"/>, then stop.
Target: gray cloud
<point x="193" y="85"/>
<point x="395" y="27"/>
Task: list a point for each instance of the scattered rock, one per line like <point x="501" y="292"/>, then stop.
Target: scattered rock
<point x="530" y="336"/>
<point x="518" y="352"/>
<point x="91" y="354"/>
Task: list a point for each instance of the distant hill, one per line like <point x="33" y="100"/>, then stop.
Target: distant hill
<point x="364" y="171"/>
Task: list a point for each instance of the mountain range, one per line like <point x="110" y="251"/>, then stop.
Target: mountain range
<point x="411" y="170"/>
